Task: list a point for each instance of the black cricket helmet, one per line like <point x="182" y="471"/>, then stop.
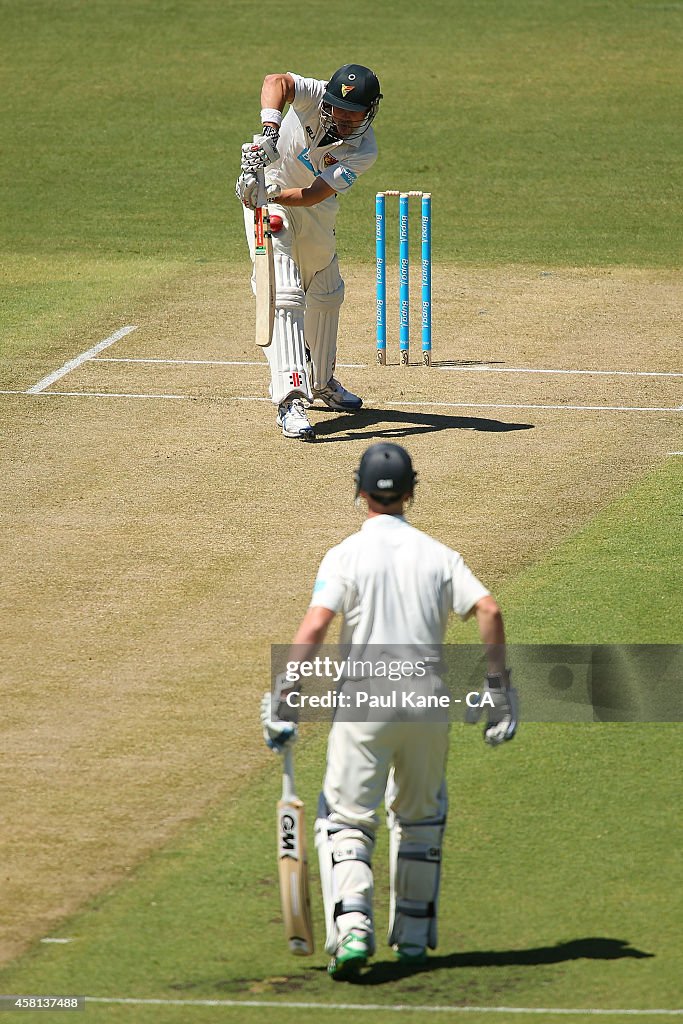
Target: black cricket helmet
<point x="385" y="473"/>
<point x="353" y="87"/>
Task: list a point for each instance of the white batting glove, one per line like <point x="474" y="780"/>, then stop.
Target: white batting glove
<point x="503" y="714"/>
<point x="247" y="190"/>
<point x="276" y="732"/>
<point x="259" y="153"/>
<point x="273" y="191"/>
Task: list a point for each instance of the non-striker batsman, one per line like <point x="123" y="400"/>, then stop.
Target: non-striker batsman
<point x="393" y="586"/>
<point x="313" y="153"/>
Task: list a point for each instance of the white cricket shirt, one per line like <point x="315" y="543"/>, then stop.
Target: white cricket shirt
<point x="394" y="584"/>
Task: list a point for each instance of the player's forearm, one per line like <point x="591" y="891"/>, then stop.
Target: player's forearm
<point x="311" y="633"/>
<point x="310" y="196"/>
<point x="492" y="633"/>
<point x="277" y="90"/>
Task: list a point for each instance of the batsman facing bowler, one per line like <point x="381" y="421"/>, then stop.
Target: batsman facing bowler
<point x="311" y="155"/>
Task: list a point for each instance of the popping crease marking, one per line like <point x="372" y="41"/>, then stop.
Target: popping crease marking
<point x="79" y="360"/>
<point x="387" y="405"/>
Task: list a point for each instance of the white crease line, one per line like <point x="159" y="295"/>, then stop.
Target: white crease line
<point x="575" y="408"/>
<point x="379" y="408"/>
<point x="82" y="358"/>
<point x="214" y="362"/>
<point x="390" y="1008"/>
<point x="364" y="366"/>
<point x="586" y="373"/>
<point x="185" y="362"/>
<point x="110" y="394"/>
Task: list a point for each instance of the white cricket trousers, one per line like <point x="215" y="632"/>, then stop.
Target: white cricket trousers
<point x="360" y="756"/>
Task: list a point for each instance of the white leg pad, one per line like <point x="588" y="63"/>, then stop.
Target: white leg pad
<point x="415" y="878"/>
<point x="345" y="858"/>
<point x="287" y="355"/>
<point x="323" y="301"/>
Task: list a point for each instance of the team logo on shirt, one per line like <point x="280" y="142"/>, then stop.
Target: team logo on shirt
<point x="346" y="89"/>
<point x="329" y="160"/>
<point x="348" y="175"/>
<point x="309" y="131"/>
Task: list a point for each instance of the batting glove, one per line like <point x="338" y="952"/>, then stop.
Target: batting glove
<point x="247" y="190"/>
<point x="502" y="709"/>
<point x="259" y="153"/>
<point x="276" y="732"/>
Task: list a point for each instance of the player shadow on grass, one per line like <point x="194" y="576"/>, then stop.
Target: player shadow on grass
<point x="364" y="424"/>
<point x="577" y="949"/>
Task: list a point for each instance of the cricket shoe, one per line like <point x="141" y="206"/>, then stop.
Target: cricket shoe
<point x="336" y="397"/>
<point x="291" y="416"/>
<point x="352" y="954"/>
<point x="410" y="956"/>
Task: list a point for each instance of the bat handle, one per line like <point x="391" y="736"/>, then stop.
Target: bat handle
<point x="261" y="179"/>
<point x="287" y="774"/>
<point x="262" y="199"/>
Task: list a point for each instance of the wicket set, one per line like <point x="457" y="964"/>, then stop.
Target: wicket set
<point x="403" y="275"/>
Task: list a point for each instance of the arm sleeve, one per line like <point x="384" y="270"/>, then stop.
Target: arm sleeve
<point x="467" y="589"/>
<point x="330" y="586"/>
<point x="308" y="92"/>
<point x="341" y="176"/>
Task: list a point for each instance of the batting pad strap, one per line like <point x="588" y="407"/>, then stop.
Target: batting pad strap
<point x="350" y="907"/>
<point x="426" y="823"/>
<point x="289" y="292"/>
<point x="289" y="298"/>
<point x="351" y="852"/>
<point x="334" y="829"/>
<point x="432" y="854"/>
<point x="411" y="908"/>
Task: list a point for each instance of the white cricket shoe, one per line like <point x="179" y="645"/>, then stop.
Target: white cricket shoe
<point x="336" y="397"/>
<point x="291" y="416"/>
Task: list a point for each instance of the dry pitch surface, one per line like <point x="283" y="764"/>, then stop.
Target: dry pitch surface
<point x="155" y="547"/>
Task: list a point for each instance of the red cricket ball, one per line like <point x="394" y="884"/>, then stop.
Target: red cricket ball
<point x="276" y="223"/>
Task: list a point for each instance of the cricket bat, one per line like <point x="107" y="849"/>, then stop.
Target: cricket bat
<point x="264" y="268"/>
<point x="293" y="865"/>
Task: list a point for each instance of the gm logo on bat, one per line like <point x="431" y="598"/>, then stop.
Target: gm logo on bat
<point x="288" y="838"/>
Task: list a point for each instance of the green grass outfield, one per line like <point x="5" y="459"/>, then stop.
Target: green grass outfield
<point x="616" y="581"/>
<point x="547" y="129"/>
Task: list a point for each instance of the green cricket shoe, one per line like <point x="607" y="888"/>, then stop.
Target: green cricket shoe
<point x="352" y="954"/>
<point x="410" y="956"/>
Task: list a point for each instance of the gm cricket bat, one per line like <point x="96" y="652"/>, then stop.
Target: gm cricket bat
<point x="293" y="865"/>
<point x="264" y="268"/>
